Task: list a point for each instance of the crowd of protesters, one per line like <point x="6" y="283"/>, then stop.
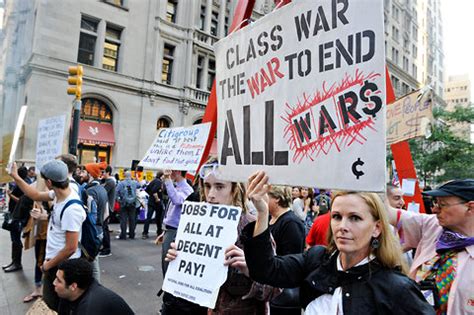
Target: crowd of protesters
<point x="297" y="248"/>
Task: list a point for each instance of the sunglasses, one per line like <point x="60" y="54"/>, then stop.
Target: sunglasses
<point x="210" y="169"/>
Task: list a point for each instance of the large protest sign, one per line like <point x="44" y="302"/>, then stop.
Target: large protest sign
<point x="177" y="148"/>
<point x="6" y="147"/>
<point x="409" y="117"/>
<point x="50" y="139"/>
<point x="204" y="232"/>
<point x="302" y="91"/>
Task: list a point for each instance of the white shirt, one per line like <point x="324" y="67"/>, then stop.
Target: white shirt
<point x="328" y="304"/>
<point x="71" y="221"/>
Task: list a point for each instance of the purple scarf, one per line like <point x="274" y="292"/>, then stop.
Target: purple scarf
<point x="450" y="240"/>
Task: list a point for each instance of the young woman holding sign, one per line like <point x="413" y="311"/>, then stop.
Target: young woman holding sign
<point x="358" y="273"/>
<point x="236" y="294"/>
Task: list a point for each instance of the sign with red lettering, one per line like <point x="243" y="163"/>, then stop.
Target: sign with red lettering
<point x="301" y="95"/>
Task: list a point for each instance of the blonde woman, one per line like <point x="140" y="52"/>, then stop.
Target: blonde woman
<point x="359" y="272"/>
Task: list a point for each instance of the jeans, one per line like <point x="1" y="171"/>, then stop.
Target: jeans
<point x="40" y="251"/>
<point x="128" y="214"/>
<point x="106" y="239"/>
<point x="15" y="232"/>
<point x="152" y="208"/>
<point x="96" y="269"/>
<point x="169" y="237"/>
<point x="50" y="296"/>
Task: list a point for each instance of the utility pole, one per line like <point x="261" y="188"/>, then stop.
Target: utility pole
<point x="75" y="80"/>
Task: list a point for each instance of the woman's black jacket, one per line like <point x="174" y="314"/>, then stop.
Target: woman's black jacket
<point x="367" y="289"/>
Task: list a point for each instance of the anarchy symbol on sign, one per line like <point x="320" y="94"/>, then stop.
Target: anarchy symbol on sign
<point x="357" y="172"/>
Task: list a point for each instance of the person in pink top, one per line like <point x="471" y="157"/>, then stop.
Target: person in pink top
<point x="444" y="242"/>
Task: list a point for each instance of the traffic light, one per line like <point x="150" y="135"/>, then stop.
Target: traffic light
<point x="75" y="79"/>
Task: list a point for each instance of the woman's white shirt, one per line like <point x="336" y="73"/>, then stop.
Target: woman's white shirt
<point x="328" y="304"/>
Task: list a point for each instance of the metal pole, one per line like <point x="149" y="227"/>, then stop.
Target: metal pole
<point x="75" y="127"/>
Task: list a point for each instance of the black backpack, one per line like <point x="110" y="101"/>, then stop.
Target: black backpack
<point x="90" y="241"/>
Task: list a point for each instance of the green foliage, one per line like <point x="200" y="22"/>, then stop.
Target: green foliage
<point x="444" y="155"/>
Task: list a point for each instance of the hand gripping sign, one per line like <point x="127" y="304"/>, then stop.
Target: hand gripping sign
<point x="204" y="232"/>
<point x="301" y="95"/>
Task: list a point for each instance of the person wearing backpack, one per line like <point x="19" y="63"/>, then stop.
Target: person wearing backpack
<point x="65" y="222"/>
<point x="93" y="189"/>
<point x="127" y="196"/>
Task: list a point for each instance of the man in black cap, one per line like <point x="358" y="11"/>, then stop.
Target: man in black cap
<point x="64" y="232"/>
<point x="444" y="242"/>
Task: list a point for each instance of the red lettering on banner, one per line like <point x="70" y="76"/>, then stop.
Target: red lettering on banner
<point x="333" y="118"/>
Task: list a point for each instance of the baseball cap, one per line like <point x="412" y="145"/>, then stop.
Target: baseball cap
<point x="460" y="188"/>
<point x="55" y="170"/>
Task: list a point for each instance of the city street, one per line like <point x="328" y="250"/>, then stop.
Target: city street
<point x="133" y="272"/>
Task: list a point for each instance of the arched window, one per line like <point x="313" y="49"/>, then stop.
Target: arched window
<point x="95" y="110"/>
<point x="163" y="122"/>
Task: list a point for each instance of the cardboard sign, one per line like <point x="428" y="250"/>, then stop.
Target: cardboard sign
<point x="410" y="117"/>
<point x="177" y="148"/>
<point x="204" y="232"/>
<point x="50" y="139"/>
<point x="302" y="91"/>
<point x="6" y="146"/>
<point x="16" y="136"/>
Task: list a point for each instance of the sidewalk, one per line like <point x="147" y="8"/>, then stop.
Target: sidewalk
<point x="133" y="272"/>
<point x="16" y="285"/>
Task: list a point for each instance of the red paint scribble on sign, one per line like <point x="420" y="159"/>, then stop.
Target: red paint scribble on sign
<point x="334" y="118"/>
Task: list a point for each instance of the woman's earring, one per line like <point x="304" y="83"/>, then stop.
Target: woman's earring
<point x="375" y="243"/>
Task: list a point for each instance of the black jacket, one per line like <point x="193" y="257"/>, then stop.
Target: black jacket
<point x="367" y="289"/>
<point x="96" y="300"/>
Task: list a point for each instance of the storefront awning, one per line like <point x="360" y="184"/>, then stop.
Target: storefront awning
<point x="95" y="133"/>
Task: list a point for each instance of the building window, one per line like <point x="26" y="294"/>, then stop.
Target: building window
<point x="395" y="55"/>
<point x="405" y="64"/>
<point x="413" y="70"/>
<point x="95" y="110"/>
<point x="202" y="18"/>
<point x="395" y="33"/>
<point x="167" y="66"/>
<point x="111" y="48"/>
<point x="163" y="122"/>
<point x="87" y="40"/>
<point x="171" y="7"/>
<point x="226" y="25"/>
<point x="211" y="73"/>
<point x="214" y="23"/>
<point x="395" y="13"/>
<point x="200" y="68"/>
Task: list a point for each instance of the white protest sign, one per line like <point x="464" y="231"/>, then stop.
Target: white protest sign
<point x="50" y="139"/>
<point x="408" y="186"/>
<point x="301" y="95"/>
<point x="204" y="232"/>
<point x="413" y="207"/>
<point x="177" y="148"/>
<point x="16" y="136"/>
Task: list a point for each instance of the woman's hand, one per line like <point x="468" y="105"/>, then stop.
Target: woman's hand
<point x="234" y="257"/>
<point x="172" y="252"/>
<point x="257" y="190"/>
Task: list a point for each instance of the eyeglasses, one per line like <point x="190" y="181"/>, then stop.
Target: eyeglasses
<point x="208" y="169"/>
<point x="447" y="205"/>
